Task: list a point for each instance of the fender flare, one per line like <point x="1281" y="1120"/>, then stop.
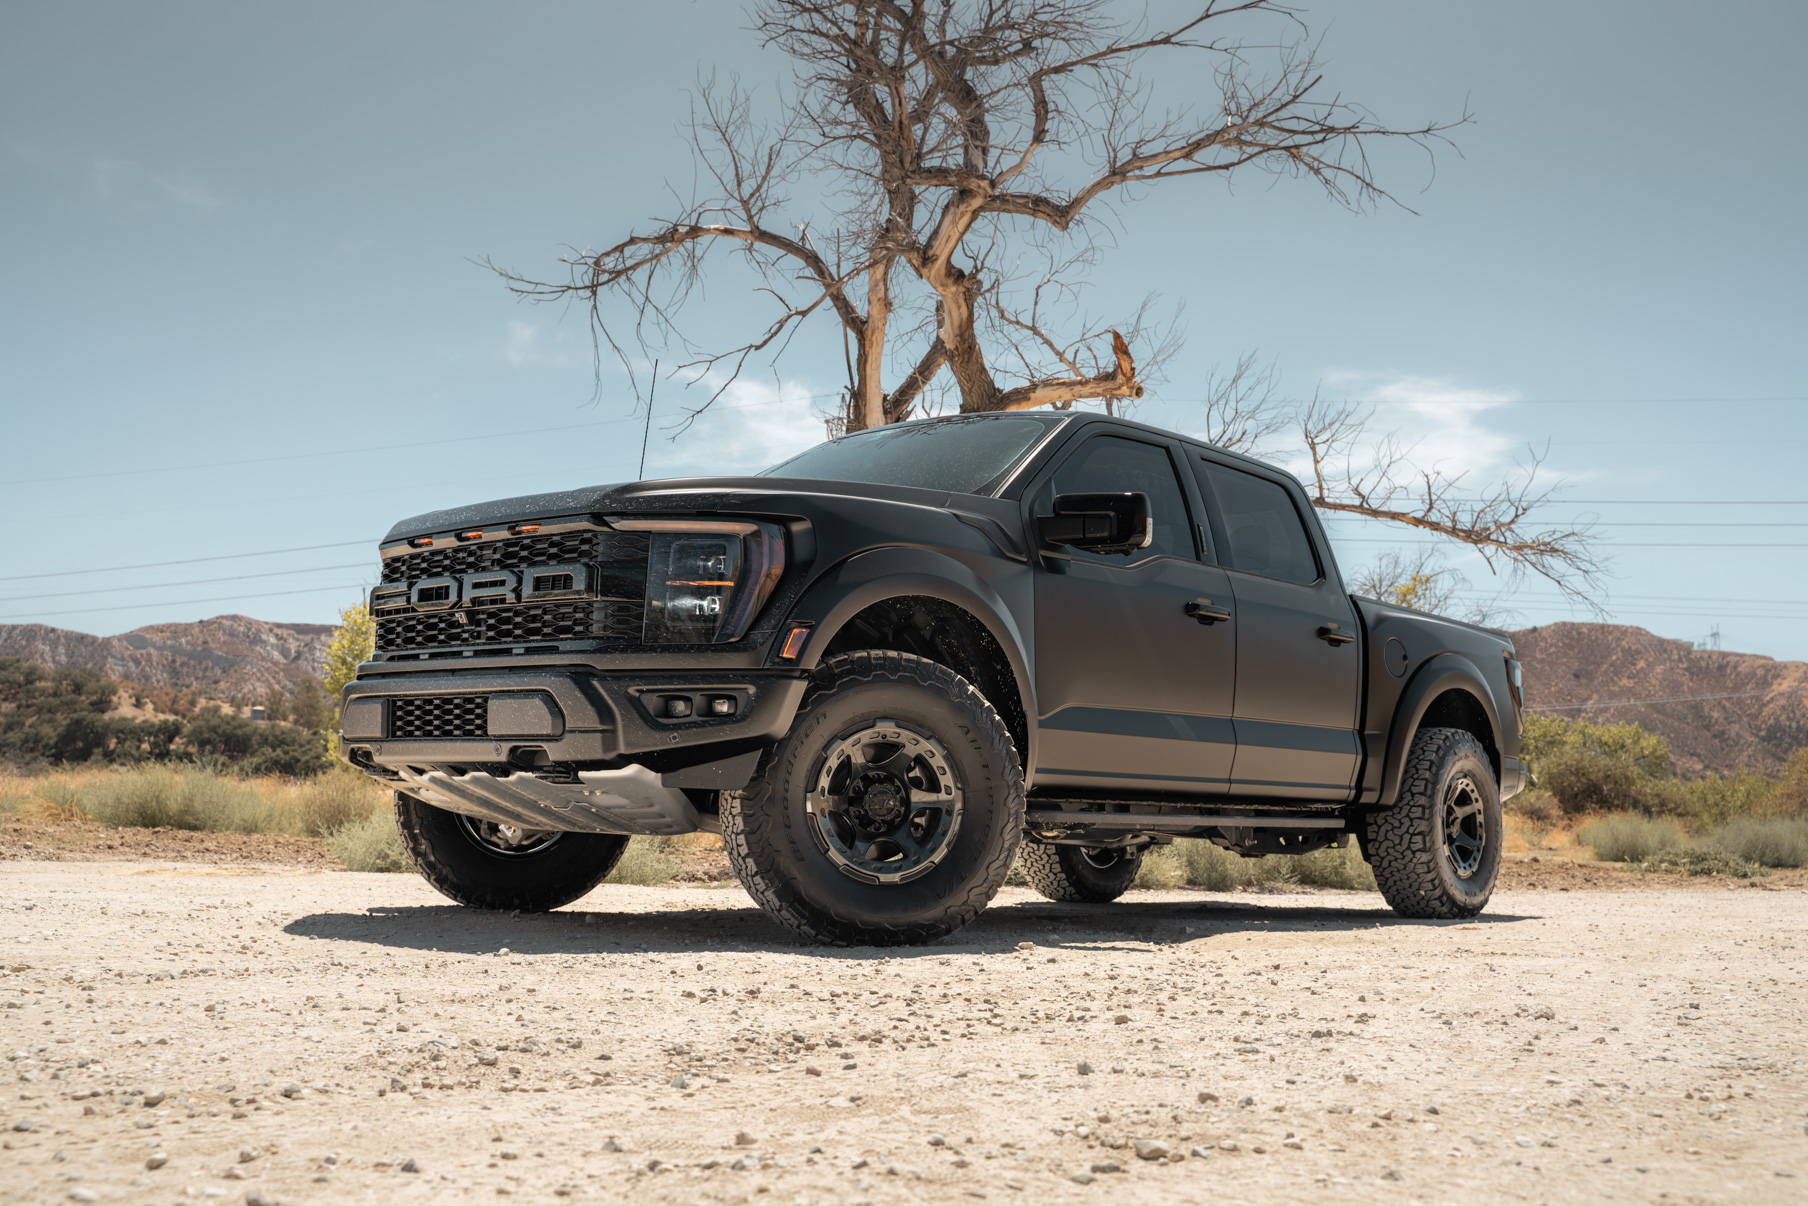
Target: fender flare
<point x="1445" y="672"/>
<point x="850" y="586"/>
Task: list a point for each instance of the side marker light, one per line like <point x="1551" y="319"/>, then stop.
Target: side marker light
<point x="794" y="643"/>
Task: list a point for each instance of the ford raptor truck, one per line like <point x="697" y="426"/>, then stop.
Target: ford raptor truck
<point x="891" y="665"/>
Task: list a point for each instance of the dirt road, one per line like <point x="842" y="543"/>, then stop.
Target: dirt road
<point x="184" y="1033"/>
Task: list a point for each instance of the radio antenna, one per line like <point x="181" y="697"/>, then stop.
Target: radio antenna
<point x="652" y="391"/>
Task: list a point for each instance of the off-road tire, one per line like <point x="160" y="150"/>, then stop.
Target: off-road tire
<point x="461" y="867"/>
<point x="768" y="831"/>
<point x="1063" y="873"/>
<point x="1413" y="863"/>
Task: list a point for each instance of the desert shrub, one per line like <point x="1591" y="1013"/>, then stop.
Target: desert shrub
<point x="1583" y="780"/>
<point x="1015" y="878"/>
<point x="1716" y="799"/>
<point x="1537" y="806"/>
<point x="1547" y="737"/>
<point x="180" y="798"/>
<point x="1333" y="867"/>
<point x="1627" y="839"/>
<point x="372" y="843"/>
<point x="1699" y="861"/>
<point x="329" y="802"/>
<point x="1210" y="867"/>
<point x="252" y="748"/>
<point x="1791" y="799"/>
<point x="647" y="861"/>
<point x="1772" y="842"/>
<point x="1162" y="867"/>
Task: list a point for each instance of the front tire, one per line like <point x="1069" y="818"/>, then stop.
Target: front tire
<point x="1436" y="852"/>
<point x="489" y="866"/>
<point x="1082" y="874"/>
<point x="888" y="814"/>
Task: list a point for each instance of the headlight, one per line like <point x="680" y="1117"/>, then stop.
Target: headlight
<point x="706" y="578"/>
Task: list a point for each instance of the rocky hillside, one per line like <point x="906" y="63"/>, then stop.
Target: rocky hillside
<point x="1754" y="716"/>
<point x="223" y="657"/>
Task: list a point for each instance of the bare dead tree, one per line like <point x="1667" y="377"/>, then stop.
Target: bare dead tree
<point x="939" y="131"/>
<point x="1354" y="474"/>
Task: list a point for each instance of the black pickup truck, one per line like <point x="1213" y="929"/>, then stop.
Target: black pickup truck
<point x="889" y="666"/>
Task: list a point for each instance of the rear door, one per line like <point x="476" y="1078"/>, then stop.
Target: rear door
<point x="1135" y="693"/>
<point x="1299" y="682"/>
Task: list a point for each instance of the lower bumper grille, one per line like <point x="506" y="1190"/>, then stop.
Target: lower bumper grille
<point x="419" y="717"/>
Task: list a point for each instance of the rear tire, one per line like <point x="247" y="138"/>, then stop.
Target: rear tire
<point x="1080" y="873"/>
<point x="477" y="864"/>
<point x="1436" y="852"/>
<point x="888" y="814"/>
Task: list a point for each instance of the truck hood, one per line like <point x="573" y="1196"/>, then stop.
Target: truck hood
<point x="679" y="496"/>
<point x="1371" y="608"/>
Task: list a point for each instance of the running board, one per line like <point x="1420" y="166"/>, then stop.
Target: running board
<point x="1168" y="822"/>
<point x="630" y="800"/>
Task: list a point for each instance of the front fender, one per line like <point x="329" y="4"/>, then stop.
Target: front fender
<point x="850" y="586"/>
<point x="1445" y="672"/>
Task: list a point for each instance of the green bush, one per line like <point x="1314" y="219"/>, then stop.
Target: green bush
<point x="329" y="802"/>
<point x="647" y="861"/>
<point x="1333" y="867"/>
<point x="1211" y="867"/>
<point x="254" y="749"/>
<point x="1162" y="867"/>
<point x="1776" y="842"/>
<point x="1717" y="799"/>
<point x="1537" y="806"/>
<point x="1700" y="862"/>
<point x="1585" y="781"/>
<point x="187" y="798"/>
<point x="370" y="844"/>
<point x="1547" y="737"/>
<point x="1630" y="839"/>
<point x="1791" y="798"/>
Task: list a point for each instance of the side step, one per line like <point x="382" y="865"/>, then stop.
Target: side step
<point x="1169" y="822"/>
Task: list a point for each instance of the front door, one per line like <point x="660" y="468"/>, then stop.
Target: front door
<point x="1135" y="692"/>
<point x="1298" y="679"/>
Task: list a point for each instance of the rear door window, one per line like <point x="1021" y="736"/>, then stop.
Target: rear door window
<point x="1262" y="527"/>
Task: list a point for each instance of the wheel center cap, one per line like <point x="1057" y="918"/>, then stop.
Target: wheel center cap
<point x="881" y="800"/>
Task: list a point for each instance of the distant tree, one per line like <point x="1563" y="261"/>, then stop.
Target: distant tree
<point x="967" y="157"/>
<point x="353" y="643"/>
<point x="309" y="707"/>
<point x="276" y="704"/>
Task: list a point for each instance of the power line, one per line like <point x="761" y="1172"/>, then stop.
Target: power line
<point x="1627" y="703"/>
<point x="115" y="590"/>
<point x="114" y="569"/>
<point x="1606" y="544"/>
<point x="82" y="611"/>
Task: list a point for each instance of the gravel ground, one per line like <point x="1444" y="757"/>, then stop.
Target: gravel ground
<point x="185" y="1032"/>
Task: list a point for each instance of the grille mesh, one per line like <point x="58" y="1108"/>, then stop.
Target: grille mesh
<point x="428" y="716"/>
<point x="622" y="556"/>
<point x="518" y="553"/>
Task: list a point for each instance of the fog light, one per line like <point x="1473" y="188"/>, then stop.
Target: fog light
<point x="722" y="705"/>
<point x="677" y="705"/>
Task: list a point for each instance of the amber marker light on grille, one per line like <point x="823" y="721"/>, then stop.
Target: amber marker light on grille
<point x="701" y="582"/>
<point x="473" y="534"/>
<point x="794" y="643"/>
<point x="523" y="529"/>
<point x="420" y="542"/>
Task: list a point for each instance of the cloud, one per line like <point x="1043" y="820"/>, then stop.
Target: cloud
<point x="123" y="184"/>
<point x="527" y="346"/>
<point x="756" y="422"/>
<point x="1437" y="421"/>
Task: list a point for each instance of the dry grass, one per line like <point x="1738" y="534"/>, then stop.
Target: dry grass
<point x="1200" y="864"/>
<point x="370" y="843"/>
<point x="648" y="862"/>
<point x="188" y="797"/>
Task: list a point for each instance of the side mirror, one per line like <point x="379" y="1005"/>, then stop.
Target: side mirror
<point x="1099" y="523"/>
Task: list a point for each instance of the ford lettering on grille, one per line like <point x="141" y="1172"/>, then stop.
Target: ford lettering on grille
<point x="490" y="588"/>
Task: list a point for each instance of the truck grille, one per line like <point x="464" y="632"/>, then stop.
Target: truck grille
<point x="621" y="556"/>
<point x="414" y="717"/>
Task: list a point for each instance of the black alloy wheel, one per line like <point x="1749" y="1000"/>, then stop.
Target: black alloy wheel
<point x="1086" y="874"/>
<point x="1436" y="852"/>
<point x="888" y="814"/>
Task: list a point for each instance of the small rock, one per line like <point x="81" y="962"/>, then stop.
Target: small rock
<point x="612" y="1145"/>
<point x="234" y="1174"/>
<point x="259" y="1198"/>
<point x="745" y="1163"/>
<point x="936" y="1141"/>
<point x="1544" y="1013"/>
<point x="24" y="1124"/>
<point x="1026" y="946"/>
<point x="1107" y="1166"/>
<point x="1121" y="1019"/>
<point x="79" y="1195"/>
<point x="1228" y="1145"/>
<point x="743" y="1139"/>
<point x="1247" y="1101"/>
<point x="1085" y="1068"/>
<point x="1295" y="1144"/>
<point x="155" y="1098"/>
<point x="1200" y="1153"/>
<point x="1082" y="1178"/>
<point x="156" y="1160"/>
<point x="247" y="1155"/>
<point x="1151" y="1149"/>
<point x="411" y="1165"/>
<point x="517" y="1155"/>
<point x="288" y="1091"/>
<point x="812" y="1070"/>
<point x="503" y="951"/>
<point x="849" y="1066"/>
<point x="1205" y="1097"/>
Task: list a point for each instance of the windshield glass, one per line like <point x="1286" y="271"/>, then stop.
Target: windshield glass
<point x="965" y="454"/>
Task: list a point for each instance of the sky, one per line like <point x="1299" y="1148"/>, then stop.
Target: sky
<point x="245" y="324"/>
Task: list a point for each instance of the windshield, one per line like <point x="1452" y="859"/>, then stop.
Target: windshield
<point x="965" y="454"/>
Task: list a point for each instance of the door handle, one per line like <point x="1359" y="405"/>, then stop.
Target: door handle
<point x="1205" y="612"/>
<point x="1331" y="634"/>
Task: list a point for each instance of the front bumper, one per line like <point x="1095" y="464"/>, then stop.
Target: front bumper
<point x="1512" y="778"/>
<point x="533" y="718"/>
